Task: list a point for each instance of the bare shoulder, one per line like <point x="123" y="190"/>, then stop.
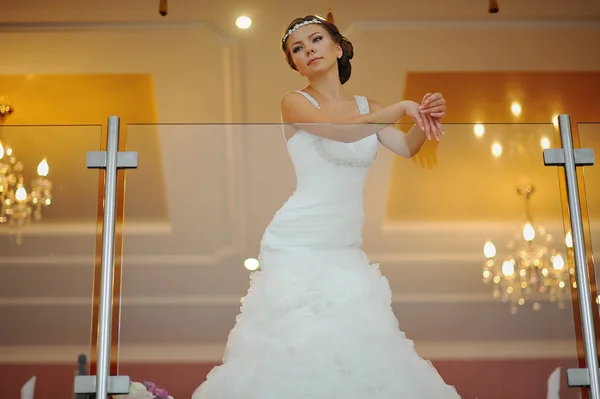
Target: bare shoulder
<point x="297" y="108"/>
<point x="294" y="99"/>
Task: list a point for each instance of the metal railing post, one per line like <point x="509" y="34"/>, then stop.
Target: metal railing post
<point x="570" y="158"/>
<point x="111" y="160"/>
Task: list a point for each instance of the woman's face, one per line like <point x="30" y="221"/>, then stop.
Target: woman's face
<point x="312" y="50"/>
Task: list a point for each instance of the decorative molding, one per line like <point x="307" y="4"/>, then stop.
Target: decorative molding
<point x="131" y="260"/>
<point x="234" y="300"/>
<point x="213" y="353"/>
<point x="71" y="26"/>
<point x="510" y="226"/>
<point x="469" y="25"/>
<point x="83" y="229"/>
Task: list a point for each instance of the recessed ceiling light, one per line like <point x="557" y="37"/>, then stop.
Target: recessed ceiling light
<point x="243" y="22"/>
<point x="515" y="108"/>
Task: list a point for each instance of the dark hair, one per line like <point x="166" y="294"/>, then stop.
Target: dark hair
<point x="344" y="65"/>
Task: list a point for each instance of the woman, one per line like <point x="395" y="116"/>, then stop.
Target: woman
<point x="317" y="321"/>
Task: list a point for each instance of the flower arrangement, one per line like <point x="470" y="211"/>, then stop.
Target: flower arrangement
<point x="145" y="390"/>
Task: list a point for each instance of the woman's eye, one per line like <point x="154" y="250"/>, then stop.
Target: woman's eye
<point x="296" y="49"/>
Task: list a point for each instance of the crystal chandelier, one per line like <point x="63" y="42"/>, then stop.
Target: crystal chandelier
<point x="532" y="270"/>
<point x="17" y="206"/>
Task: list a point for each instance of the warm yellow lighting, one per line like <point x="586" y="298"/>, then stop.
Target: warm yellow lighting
<point x="545" y="143"/>
<point x="558" y="262"/>
<point x="515" y="108"/>
<point x="489" y="250"/>
<point x="21" y="194"/>
<point x="555" y="120"/>
<point x="497" y="149"/>
<point x="43" y="168"/>
<point x="243" y="22"/>
<point x="251" y="264"/>
<point x="479" y="130"/>
<point x="508" y="269"/>
<point x="528" y="232"/>
<point x="1" y="151"/>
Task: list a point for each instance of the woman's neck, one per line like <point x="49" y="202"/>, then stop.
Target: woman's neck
<point x="328" y="87"/>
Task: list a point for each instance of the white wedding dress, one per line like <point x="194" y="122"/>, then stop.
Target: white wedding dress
<point x="317" y="321"/>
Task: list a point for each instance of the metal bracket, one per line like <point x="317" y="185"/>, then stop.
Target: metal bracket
<point x="556" y="157"/>
<point x="117" y="385"/>
<point x="578" y="378"/>
<point x="125" y="160"/>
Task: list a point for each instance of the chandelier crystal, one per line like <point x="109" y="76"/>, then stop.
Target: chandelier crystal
<point x="18" y="206"/>
<point x="532" y="270"/>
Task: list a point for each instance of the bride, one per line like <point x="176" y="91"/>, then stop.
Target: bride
<point x="317" y="321"/>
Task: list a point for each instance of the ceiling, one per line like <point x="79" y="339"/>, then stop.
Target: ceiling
<point x="192" y="217"/>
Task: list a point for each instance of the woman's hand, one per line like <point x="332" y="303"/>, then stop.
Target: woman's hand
<point x="434" y="105"/>
<point x="429" y="125"/>
<point x="433" y="108"/>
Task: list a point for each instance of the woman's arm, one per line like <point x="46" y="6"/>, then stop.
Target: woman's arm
<point x="408" y="145"/>
<point x="295" y="109"/>
<point x="395" y="140"/>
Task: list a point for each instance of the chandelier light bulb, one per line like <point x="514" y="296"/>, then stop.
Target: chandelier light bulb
<point x="558" y="262"/>
<point x="21" y="194"/>
<point x="507" y="268"/>
<point x="528" y="232"/>
<point x="489" y="250"/>
<point x="1" y="150"/>
<point x="43" y="168"/>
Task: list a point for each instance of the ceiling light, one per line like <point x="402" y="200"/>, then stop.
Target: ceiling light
<point x="497" y="149"/>
<point x="479" y="130"/>
<point x="243" y="22"/>
<point x="515" y="108"/>
<point x="545" y="143"/>
<point x="251" y="264"/>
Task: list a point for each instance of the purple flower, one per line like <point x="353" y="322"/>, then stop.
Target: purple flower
<point x="150" y="386"/>
<point x="162" y="393"/>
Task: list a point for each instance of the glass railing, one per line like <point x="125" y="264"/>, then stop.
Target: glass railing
<point x="589" y="137"/>
<point x="446" y="228"/>
<point x="49" y="209"/>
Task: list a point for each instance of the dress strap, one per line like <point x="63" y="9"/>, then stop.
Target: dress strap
<point x="309" y="98"/>
<point x="363" y="105"/>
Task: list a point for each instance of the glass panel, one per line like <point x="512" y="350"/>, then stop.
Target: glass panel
<point x="46" y="264"/>
<point x="589" y="137"/>
<point x="203" y="196"/>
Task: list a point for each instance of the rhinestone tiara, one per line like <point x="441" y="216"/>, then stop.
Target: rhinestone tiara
<point x="300" y="25"/>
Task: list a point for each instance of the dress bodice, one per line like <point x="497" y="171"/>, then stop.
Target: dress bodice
<point x="329" y="166"/>
<point x="326" y="208"/>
